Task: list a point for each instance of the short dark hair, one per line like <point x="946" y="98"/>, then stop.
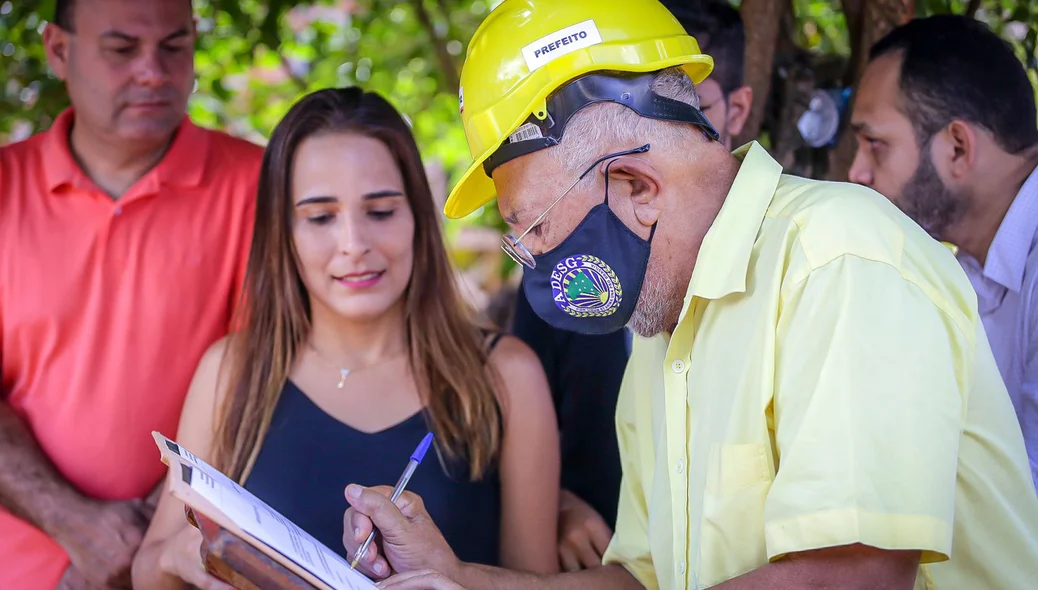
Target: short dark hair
<point x="718" y="29"/>
<point x="63" y="13"/>
<point x="955" y="67"/>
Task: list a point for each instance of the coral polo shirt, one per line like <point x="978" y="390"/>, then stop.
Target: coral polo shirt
<point x="106" y="307"/>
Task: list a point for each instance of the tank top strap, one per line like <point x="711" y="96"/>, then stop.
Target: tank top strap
<point x="491" y="339"/>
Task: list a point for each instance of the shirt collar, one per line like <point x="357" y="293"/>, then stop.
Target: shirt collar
<point x="59" y="167"/>
<point x="724" y="257"/>
<point x="1007" y="256"/>
<point x="183" y="164"/>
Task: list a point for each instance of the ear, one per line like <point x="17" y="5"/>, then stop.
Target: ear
<point x="638" y="181"/>
<point x="56" y="44"/>
<point x="740" y="101"/>
<point x="957" y="145"/>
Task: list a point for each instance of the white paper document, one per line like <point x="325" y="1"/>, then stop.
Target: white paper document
<point x="264" y="523"/>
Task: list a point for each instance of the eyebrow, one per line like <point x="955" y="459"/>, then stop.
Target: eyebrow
<point x="860" y="127"/>
<point x="383" y="194"/>
<point x="322" y="199"/>
<point x="178" y="34"/>
<point x="316" y="200"/>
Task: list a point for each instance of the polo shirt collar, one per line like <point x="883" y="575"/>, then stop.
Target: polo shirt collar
<point x="183" y="164"/>
<point x="59" y="167"/>
<point x="724" y="257"/>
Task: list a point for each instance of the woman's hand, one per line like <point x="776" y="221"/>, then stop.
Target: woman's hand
<point x="583" y="534"/>
<point x="181" y="557"/>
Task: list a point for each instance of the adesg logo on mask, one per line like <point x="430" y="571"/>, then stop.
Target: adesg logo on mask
<point x="585" y="286"/>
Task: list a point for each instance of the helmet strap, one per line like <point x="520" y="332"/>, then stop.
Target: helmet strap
<point x="633" y="91"/>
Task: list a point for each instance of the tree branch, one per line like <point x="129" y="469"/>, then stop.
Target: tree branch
<point x="972" y="8"/>
<point x="450" y="70"/>
<point x="854" y="13"/>
<point x="762" y="20"/>
<point x="287" y="67"/>
<point x="444" y="8"/>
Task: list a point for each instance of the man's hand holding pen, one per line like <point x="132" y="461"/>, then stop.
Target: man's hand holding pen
<point x="407" y="536"/>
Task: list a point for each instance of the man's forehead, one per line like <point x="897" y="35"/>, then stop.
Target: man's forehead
<point x="134" y="17"/>
<point x="880" y="82"/>
<point x="709" y="87"/>
<point x="879" y="93"/>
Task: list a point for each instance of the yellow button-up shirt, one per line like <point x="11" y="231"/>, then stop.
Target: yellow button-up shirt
<point x="829" y="382"/>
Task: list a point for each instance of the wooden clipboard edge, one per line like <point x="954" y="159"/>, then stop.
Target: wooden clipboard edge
<point x="236" y="569"/>
<point x="184" y="493"/>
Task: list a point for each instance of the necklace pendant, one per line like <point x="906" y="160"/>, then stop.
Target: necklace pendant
<point x="342" y="379"/>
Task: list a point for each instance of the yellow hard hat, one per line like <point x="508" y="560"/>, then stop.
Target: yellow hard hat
<point x="526" y="50"/>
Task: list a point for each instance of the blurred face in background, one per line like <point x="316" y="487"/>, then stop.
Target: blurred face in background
<point x="726" y="112"/>
<point x="128" y="66"/>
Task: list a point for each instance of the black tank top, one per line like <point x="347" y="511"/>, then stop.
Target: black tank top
<point x="308" y="457"/>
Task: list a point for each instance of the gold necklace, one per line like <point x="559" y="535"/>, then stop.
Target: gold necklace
<point x="343" y="372"/>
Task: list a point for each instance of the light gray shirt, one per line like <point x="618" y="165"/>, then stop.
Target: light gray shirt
<point x="1007" y="296"/>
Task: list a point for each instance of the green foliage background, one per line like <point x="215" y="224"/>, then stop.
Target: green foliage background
<point x="256" y="57"/>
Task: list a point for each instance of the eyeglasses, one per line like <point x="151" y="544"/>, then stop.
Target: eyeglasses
<point x="514" y="247"/>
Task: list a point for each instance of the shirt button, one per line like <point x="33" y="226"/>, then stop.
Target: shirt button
<point x="680" y="467"/>
<point x="118" y="210"/>
<point x="678" y="366"/>
<point x="681" y="567"/>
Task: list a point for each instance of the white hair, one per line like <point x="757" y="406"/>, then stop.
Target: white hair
<point x="605" y="127"/>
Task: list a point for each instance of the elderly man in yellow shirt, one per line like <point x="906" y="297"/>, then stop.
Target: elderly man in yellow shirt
<point x="812" y="401"/>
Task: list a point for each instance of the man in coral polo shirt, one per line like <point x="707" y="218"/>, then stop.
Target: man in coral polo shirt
<point x="124" y="233"/>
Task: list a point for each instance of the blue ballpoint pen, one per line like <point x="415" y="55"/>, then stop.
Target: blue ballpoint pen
<point x="412" y="464"/>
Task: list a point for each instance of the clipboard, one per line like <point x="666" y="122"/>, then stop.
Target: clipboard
<point x="228" y="557"/>
<point x="246" y="542"/>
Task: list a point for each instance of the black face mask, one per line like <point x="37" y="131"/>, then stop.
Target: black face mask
<point x="590" y="283"/>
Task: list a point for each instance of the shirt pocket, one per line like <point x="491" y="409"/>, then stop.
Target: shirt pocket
<point x="734" y="467"/>
<point x="732" y="533"/>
